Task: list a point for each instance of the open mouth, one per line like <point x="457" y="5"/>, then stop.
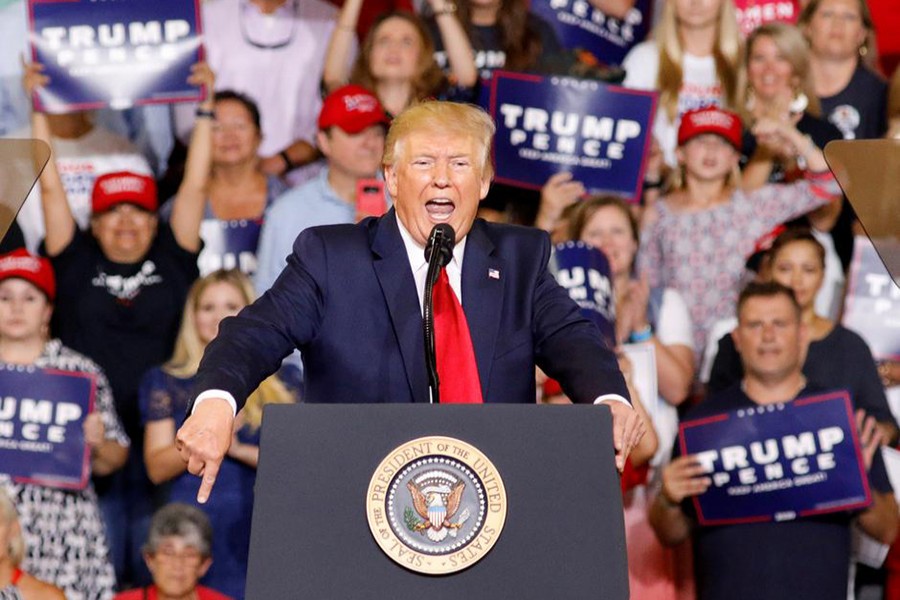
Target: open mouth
<point x="439" y="209"/>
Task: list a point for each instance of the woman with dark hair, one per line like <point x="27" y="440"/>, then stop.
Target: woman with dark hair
<point x="504" y="35"/>
<point x="853" y="96"/>
<point x="238" y="192"/>
<point x="396" y="60"/>
<point x="837" y="357"/>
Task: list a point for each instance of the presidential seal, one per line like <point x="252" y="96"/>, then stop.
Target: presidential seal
<point x="436" y="505"/>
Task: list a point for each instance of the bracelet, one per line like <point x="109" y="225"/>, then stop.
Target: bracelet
<point x="288" y="164"/>
<point x="801" y="157"/>
<point x="652" y="185"/>
<point x="205" y="113"/>
<point x="449" y="8"/>
<point x="641" y="335"/>
<point x="345" y="27"/>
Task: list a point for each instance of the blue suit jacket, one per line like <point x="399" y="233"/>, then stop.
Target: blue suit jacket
<point x="347" y="300"/>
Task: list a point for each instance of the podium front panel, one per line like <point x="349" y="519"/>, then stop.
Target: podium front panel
<point x="563" y="535"/>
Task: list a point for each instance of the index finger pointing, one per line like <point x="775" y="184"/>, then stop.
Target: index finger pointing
<point x="210" y="471"/>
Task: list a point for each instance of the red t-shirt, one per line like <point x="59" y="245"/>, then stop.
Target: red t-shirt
<point x="203" y="593"/>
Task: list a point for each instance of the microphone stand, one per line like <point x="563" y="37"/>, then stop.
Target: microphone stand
<point x="434" y="269"/>
<point x="438" y="253"/>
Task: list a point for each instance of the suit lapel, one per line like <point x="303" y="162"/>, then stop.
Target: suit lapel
<point x="398" y="286"/>
<point x="482" y="290"/>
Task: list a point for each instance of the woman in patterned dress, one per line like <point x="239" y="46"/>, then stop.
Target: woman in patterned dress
<point x="697" y="238"/>
<point x="62" y="528"/>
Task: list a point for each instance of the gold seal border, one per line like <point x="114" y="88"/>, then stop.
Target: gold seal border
<point x="492" y="486"/>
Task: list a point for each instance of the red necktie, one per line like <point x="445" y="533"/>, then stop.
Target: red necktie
<point x="456" y="366"/>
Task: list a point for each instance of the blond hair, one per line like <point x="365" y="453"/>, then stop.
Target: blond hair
<point x="445" y="117"/>
<point x="726" y="53"/>
<point x="792" y="45"/>
<point x="189" y="347"/>
<point x="10" y="516"/>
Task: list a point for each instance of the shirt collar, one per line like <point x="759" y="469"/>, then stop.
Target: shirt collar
<point x="416" y="253"/>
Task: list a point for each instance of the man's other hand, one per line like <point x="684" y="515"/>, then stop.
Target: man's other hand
<point x="628" y="429"/>
<point x="203" y="441"/>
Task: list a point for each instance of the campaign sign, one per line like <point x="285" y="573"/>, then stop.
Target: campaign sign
<point x="584" y="272"/>
<point x="42" y="413"/>
<point x="753" y="13"/>
<point x="778" y="462"/>
<point x="581" y="26"/>
<point x="599" y="133"/>
<point x="229" y="245"/>
<point x="873" y="302"/>
<point x="115" y="53"/>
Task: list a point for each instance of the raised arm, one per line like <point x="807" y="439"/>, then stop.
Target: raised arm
<point x="190" y="200"/>
<point x="340" y="47"/>
<point x="459" y="51"/>
<point x="58" y="220"/>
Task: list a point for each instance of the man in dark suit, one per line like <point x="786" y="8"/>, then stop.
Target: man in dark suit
<point x="350" y="299"/>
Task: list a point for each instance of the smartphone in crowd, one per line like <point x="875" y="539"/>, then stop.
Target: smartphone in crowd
<point x="370" y="200"/>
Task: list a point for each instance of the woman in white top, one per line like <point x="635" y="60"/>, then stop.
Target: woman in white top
<point x="694" y="61"/>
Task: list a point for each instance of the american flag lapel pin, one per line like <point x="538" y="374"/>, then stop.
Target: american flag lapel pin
<point x="494" y="273"/>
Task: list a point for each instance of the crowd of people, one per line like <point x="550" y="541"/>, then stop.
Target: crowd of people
<point x="151" y="225"/>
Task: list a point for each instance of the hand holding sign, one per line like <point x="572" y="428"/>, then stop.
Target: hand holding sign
<point x="870" y="436"/>
<point x="683" y="477"/>
<point x="33" y="77"/>
<point x="560" y="191"/>
<point x="94" y="430"/>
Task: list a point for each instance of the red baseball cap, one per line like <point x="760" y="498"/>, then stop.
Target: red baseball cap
<point x="33" y="269"/>
<point x="123" y="187"/>
<point x="352" y="108"/>
<point x="713" y="120"/>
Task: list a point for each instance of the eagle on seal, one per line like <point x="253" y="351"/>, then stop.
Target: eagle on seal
<point x="436" y="514"/>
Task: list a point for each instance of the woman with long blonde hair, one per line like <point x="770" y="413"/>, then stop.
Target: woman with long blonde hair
<point x="164" y="397"/>
<point x="693" y="61"/>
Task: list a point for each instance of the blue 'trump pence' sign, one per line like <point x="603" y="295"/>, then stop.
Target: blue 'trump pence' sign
<point x="42" y="414"/>
<point x="778" y="462"/>
<point x="598" y="132"/>
<point x="114" y="53"/>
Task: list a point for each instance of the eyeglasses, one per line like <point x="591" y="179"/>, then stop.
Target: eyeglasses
<point x="170" y="554"/>
<point x="268" y="32"/>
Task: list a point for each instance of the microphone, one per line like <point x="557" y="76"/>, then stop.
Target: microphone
<point x="442" y="238"/>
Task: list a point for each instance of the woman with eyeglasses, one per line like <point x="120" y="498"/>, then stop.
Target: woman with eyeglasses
<point x="396" y="60"/>
<point x="238" y="191"/>
<point x="178" y="553"/>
